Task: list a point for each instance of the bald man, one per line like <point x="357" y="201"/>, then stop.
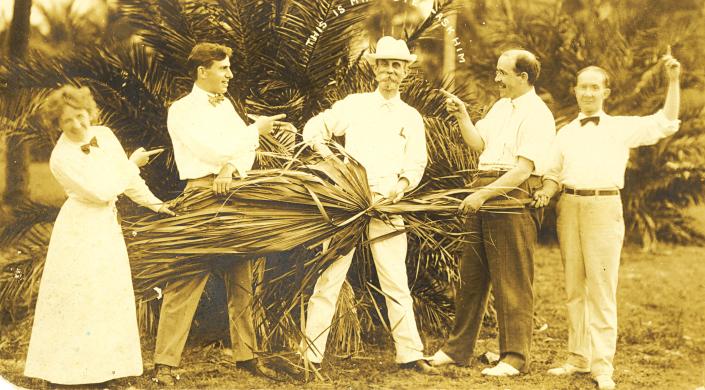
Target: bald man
<point x="512" y="140"/>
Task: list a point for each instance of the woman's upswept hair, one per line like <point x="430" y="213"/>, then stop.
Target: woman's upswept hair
<point x="67" y="95"/>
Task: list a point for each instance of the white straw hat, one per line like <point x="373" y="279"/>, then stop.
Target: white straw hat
<point x="389" y="48"/>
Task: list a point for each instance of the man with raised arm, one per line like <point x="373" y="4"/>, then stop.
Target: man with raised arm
<point x="588" y="160"/>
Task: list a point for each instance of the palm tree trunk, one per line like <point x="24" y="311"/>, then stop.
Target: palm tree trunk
<point x="16" y="173"/>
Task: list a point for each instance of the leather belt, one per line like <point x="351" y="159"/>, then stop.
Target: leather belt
<point x="574" y="191"/>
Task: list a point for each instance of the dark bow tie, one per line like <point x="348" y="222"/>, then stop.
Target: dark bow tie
<point x="216" y="99"/>
<point x="86" y="148"/>
<point x="588" y="119"/>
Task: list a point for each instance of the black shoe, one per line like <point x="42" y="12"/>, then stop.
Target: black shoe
<point x="163" y="375"/>
<point x="256" y="368"/>
<point x="420" y="366"/>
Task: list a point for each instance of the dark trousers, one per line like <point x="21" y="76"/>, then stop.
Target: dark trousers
<point x="500" y="252"/>
<point x="181" y="299"/>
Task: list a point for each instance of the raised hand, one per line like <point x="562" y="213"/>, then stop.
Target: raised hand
<point x="265" y="124"/>
<point x="671" y="65"/>
<point x="140" y="157"/>
<point x="454" y="105"/>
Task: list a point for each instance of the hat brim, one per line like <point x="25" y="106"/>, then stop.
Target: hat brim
<point x="373" y="57"/>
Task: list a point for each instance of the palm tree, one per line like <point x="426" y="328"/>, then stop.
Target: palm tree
<point x="18" y="42"/>
<point x="295" y="57"/>
<point x="627" y="40"/>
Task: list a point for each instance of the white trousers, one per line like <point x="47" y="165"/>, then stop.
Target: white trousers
<point x="390" y="261"/>
<point x="591" y="233"/>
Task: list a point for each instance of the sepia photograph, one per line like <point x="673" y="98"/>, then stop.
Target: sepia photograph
<point x="352" y="194"/>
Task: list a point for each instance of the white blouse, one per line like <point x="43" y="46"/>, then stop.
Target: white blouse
<point x="99" y="176"/>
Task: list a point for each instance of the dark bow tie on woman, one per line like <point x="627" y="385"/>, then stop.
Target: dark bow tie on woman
<point x="86" y="148"/>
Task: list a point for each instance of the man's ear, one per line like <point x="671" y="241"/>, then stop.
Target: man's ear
<point x="524" y="76"/>
<point x="606" y="93"/>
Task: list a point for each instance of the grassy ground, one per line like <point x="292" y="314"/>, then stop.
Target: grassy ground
<point x="661" y="344"/>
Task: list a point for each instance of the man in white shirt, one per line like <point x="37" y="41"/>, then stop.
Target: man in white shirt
<point x="512" y="140"/>
<point x="588" y="160"/>
<point x="211" y="143"/>
<point x="388" y="138"/>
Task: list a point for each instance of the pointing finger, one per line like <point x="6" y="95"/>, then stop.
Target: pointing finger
<point x="277" y="117"/>
<point x="154" y="151"/>
<point x="447" y="94"/>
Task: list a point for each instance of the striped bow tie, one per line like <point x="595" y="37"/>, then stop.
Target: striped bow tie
<point x="216" y="99"/>
<point x="86" y="148"/>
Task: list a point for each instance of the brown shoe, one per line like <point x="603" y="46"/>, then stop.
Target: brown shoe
<point x="163" y="375"/>
<point x="256" y="368"/>
<point x="420" y="366"/>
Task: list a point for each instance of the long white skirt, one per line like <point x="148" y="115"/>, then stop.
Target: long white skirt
<point x="85" y="322"/>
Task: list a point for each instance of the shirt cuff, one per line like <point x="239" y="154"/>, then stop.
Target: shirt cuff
<point x="413" y="183"/>
<point x="255" y="140"/>
<point x="239" y="168"/>
<point x="664" y="122"/>
<point x="551" y="177"/>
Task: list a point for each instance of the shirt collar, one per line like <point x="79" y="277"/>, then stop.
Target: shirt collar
<point x="599" y="113"/>
<point x="201" y="93"/>
<point x="524" y="99"/>
<point x="90" y="133"/>
<point x="396" y="99"/>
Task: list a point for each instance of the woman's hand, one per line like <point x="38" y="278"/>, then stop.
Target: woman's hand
<point x="140" y="157"/>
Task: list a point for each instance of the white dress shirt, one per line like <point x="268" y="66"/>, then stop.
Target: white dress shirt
<point x="206" y="137"/>
<point x="595" y="156"/>
<point x="387" y="137"/>
<point x="516" y="127"/>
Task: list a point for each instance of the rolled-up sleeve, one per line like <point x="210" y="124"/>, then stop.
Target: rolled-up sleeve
<point x="554" y="162"/>
<point x="333" y="121"/>
<point x="535" y="137"/>
<point x="646" y="130"/>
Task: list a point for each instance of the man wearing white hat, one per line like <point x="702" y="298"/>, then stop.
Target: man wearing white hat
<point x="387" y="137"/>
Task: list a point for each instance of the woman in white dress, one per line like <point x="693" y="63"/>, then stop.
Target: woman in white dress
<point x="85" y="322"/>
